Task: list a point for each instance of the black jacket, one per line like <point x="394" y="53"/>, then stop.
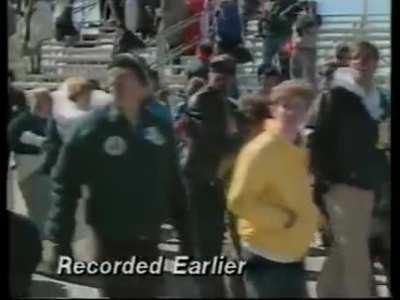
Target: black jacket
<point x="343" y="144"/>
<point x="25" y="121"/>
<point x="53" y="146"/>
<point x="131" y="173"/>
<point x="209" y="140"/>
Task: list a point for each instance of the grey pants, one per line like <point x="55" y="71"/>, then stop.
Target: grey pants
<point x="347" y="270"/>
<point x="303" y="65"/>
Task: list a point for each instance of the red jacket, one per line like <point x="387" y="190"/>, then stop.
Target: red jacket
<point x="193" y="32"/>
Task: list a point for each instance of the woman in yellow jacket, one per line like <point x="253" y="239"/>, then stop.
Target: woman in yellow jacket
<point x="271" y="196"/>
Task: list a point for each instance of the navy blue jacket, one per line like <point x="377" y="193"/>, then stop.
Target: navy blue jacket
<point x="132" y="174"/>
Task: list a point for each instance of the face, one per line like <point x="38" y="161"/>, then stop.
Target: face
<point x="364" y="64"/>
<point x="219" y="81"/>
<point x="344" y="59"/>
<point x="129" y="92"/>
<point x="43" y="108"/>
<point x="292" y="113"/>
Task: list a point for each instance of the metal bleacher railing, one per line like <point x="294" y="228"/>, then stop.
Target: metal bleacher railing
<point x="60" y="62"/>
<point x="335" y="29"/>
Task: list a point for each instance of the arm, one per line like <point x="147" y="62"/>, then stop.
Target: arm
<point x="248" y="194"/>
<point x="67" y="180"/>
<point x="322" y="139"/>
<point x="52" y="146"/>
<point x="14" y="131"/>
<point x="179" y="202"/>
<point x="30" y="138"/>
<point x="205" y="119"/>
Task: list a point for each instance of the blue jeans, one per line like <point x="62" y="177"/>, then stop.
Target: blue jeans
<point x="268" y="279"/>
<point x="272" y="45"/>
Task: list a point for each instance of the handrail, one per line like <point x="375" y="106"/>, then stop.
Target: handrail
<point x="163" y="54"/>
<point x="354" y="15"/>
<point x="179" y="26"/>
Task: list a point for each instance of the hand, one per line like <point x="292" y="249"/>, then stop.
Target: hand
<point x="51" y="255"/>
<point x="30" y="138"/>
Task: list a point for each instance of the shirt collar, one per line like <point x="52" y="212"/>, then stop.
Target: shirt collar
<point x="115" y="115"/>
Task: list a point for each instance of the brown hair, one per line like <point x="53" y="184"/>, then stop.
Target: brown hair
<point x="194" y="85"/>
<point x="254" y="108"/>
<point x="37" y="97"/>
<point x="291" y="89"/>
<point x="77" y="86"/>
<point x="366" y="47"/>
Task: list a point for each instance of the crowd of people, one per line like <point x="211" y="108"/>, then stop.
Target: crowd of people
<point x="308" y="152"/>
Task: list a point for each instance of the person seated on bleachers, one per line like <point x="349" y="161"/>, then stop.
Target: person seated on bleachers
<point x="25" y="251"/>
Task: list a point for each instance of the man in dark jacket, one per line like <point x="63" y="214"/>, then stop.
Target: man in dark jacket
<point x="348" y="163"/>
<point x="126" y="157"/>
<point x="213" y="134"/>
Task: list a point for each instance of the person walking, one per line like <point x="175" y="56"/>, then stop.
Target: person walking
<point x="212" y="135"/>
<point x="350" y="167"/>
<point x="270" y="194"/>
<point x="126" y="154"/>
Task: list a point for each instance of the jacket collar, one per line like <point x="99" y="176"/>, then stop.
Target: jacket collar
<point x="115" y="114"/>
<point x="344" y="77"/>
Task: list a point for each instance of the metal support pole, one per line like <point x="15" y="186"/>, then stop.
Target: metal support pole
<point x="364" y="18"/>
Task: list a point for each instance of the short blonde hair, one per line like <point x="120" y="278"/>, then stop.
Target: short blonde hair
<point x="77" y="86"/>
<point x="291" y="90"/>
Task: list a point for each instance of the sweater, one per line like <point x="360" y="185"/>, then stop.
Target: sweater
<point x="270" y="182"/>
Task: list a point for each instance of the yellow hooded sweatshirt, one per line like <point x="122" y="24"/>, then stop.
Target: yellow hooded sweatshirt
<point x="270" y="182"/>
